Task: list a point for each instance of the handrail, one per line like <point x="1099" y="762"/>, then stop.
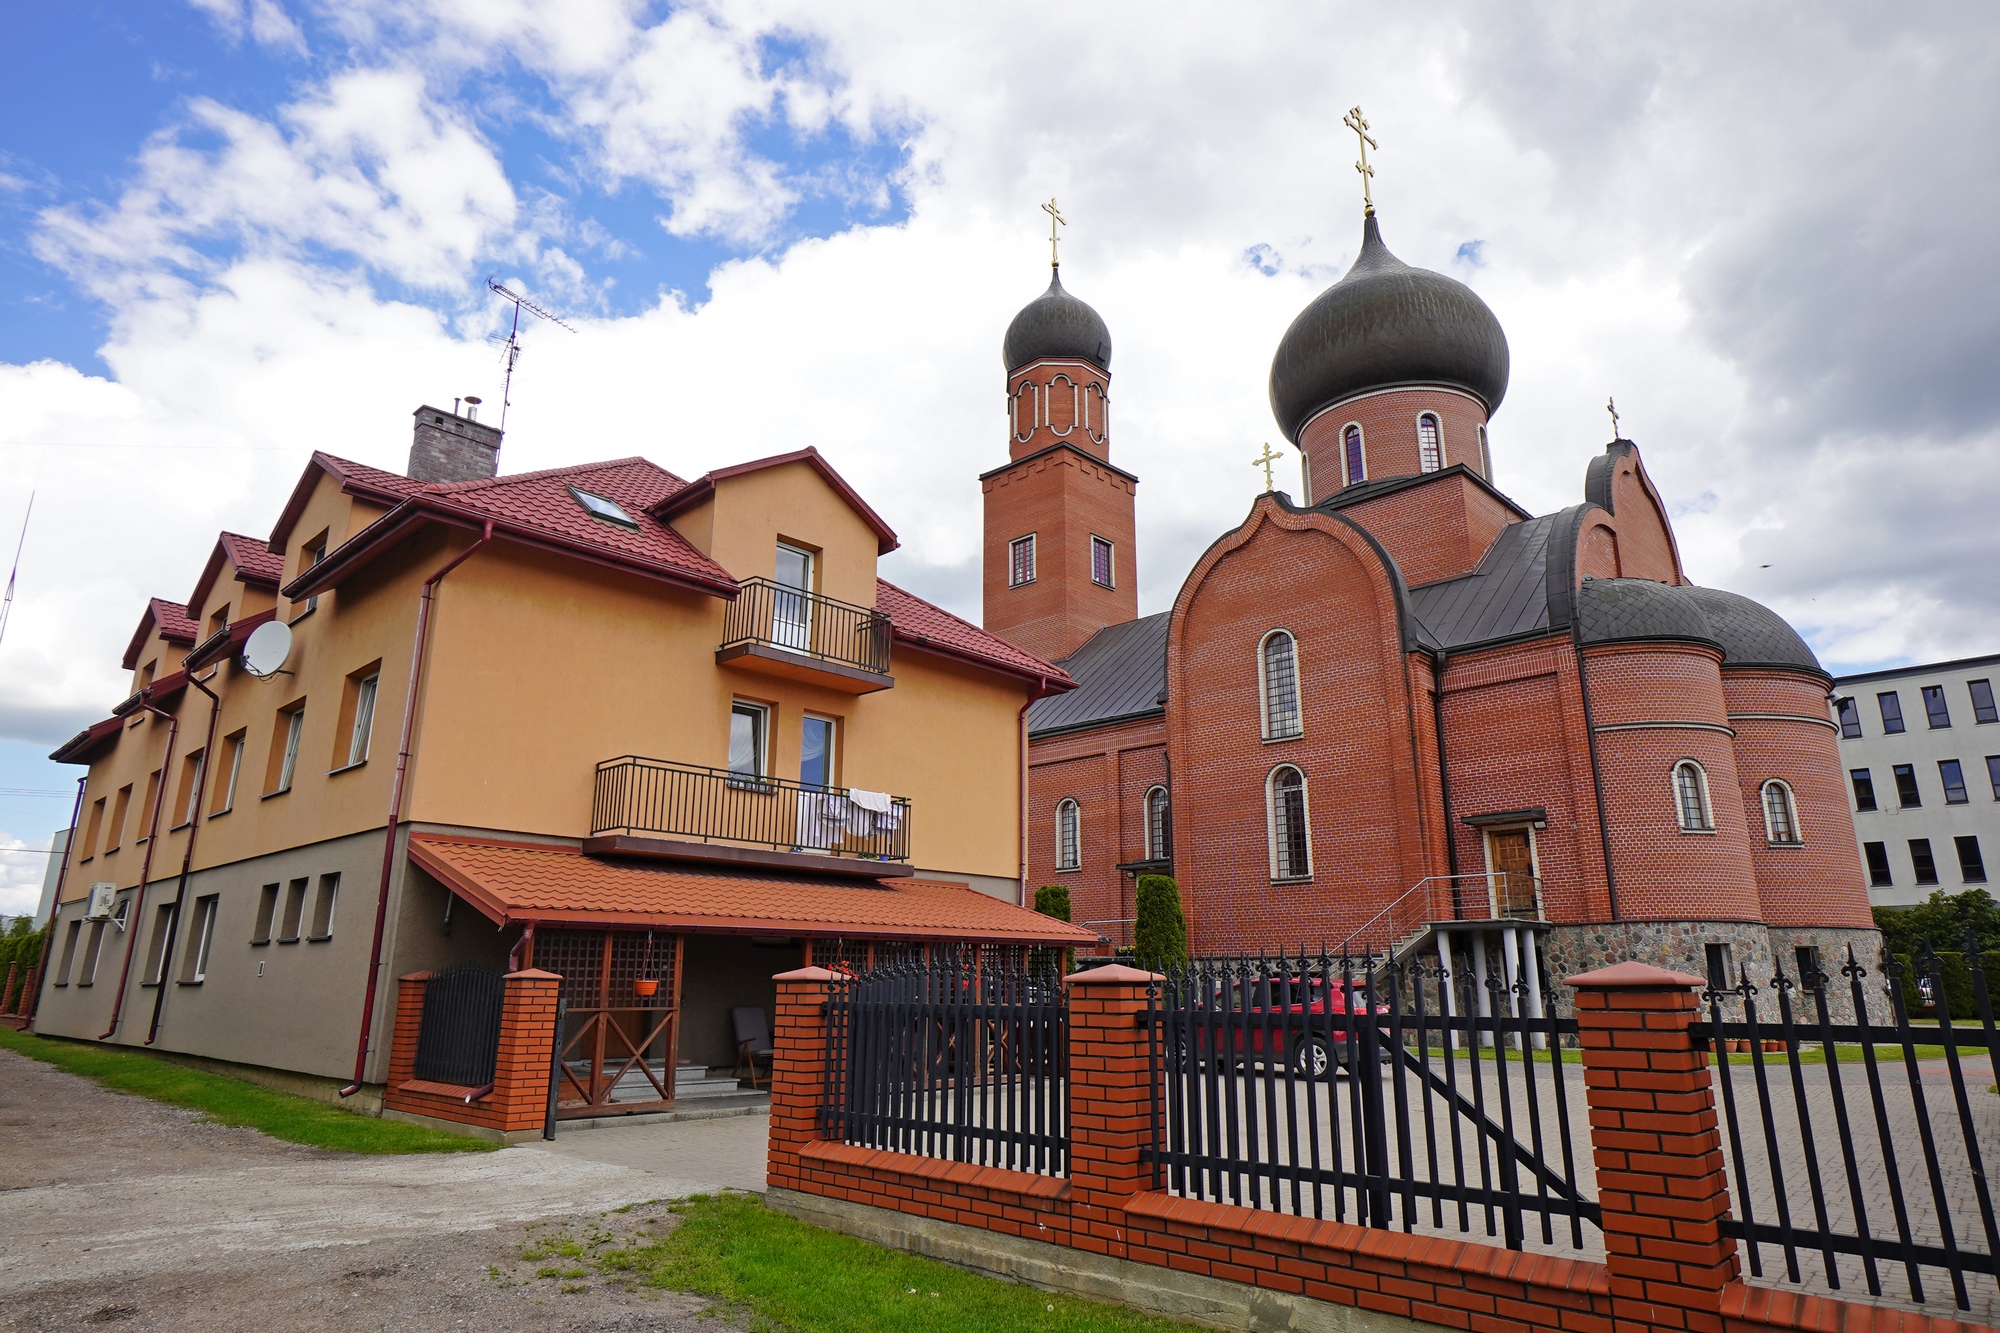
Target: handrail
<point x="1423" y="886"/>
<point x="638" y="796"/>
<point x="776" y="615"/>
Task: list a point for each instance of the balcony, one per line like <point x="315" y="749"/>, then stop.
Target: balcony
<point x="684" y="812"/>
<point x="803" y="636"/>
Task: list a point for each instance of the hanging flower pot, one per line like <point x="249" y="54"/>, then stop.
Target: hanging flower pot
<point x="646" y="986"/>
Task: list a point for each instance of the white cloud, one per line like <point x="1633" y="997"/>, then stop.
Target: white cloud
<point x="263" y="21"/>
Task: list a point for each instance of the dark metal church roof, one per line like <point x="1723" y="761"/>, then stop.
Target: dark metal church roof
<point x="1121" y="672"/>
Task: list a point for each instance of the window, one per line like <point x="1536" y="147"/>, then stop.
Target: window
<point x="1953" y="777"/>
<point x="68" y="953"/>
<point x="791" y="603"/>
<point x="1993" y="773"/>
<point x="1485" y="456"/>
<point x="147" y="672"/>
<point x="1069" y="836"/>
<point x="1357" y="458"/>
<point x="1102" y="569"/>
<point x="284" y="761"/>
<point x="322" y="917"/>
<point x="1291" y="841"/>
<point x="1850" y="719"/>
<point x="118" y="809"/>
<point x="156" y="950"/>
<point x="295" y="911"/>
<point x="1864" y="789"/>
<point x="232" y="755"/>
<point x="1892" y="712"/>
<point x="311" y="554"/>
<point x="1982" y="701"/>
<point x="1781" y="821"/>
<point x="95" y="827"/>
<point x="816" y="752"/>
<point x="1935" y="708"/>
<point x="1721" y="960"/>
<point x="1920" y="858"/>
<point x="267" y="913"/>
<point x="1279" y="676"/>
<point x="1971" y="865"/>
<point x="1907" y="795"/>
<point x="219" y="622"/>
<point x="1430" y="453"/>
<point x="1021" y="561"/>
<point x="1877" y="856"/>
<point x="1159" y="833"/>
<point x="190" y="793"/>
<point x="364" y="719"/>
<point x="194" y="966"/>
<point x="598" y="506"/>
<point x="152" y="797"/>
<point x="93" y="944"/>
<point x="1806" y="956"/>
<point x="749" y="725"/>
<point x="1691" y="798"/>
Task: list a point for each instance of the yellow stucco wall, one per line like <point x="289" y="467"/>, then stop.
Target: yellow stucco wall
<point x="741" y="526"/>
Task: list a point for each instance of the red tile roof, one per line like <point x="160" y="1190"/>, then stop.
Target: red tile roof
<point x="513" y="882"/>
<point x="254" y="562"/>
<point x="369" y="483"/>
<point x="174" y="625"/>
<point x="83" y="748"/>
<point x="921" y="625"/>
<point x="703" y="486"/>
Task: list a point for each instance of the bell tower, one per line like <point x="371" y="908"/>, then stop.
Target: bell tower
<point x="1059" y="557"/>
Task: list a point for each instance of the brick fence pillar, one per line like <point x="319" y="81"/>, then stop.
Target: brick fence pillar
<point x="1659" y="1160"/>
<point x="1110" y="1103"/>
<point x="520" y="1097"/>
<point x="798" y="1071"/>
<point x="409" y="1022"/>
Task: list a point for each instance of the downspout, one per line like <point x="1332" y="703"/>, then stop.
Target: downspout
<point x="145" y="867"/>
<point x="396" y="803"/>
<point x="1041" y="685"/>
<point x="1596" y="772"/>
<point x="187" y="855"/>
<point x="1444" y="774"/>
<point x="34" y="1002"/>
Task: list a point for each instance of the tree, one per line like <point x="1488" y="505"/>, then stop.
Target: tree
<point x="1943" y="919"/>
<point x="1052" y="900"/>
<point x="1159" y="937"/>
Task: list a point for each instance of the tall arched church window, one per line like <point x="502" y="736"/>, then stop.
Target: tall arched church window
<point x="1691" y="806"/>
<point x="1357" y="459"/>
<point x="1291" y="833"/>
<point x="1485" y="458"/>
<point x="1278" y="678"/>
<point x="1781" y="815"/>
<point x="1430" y="450"/>
<point x="1159" y="838"/>
<point x="1069" y="836"/>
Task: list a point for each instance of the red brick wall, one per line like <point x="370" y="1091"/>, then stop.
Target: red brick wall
<point x="1066" y="402"/>
<point x="1388" y="424"/>
<point x="1438" y="530"/>
<point x="1646" y="548"/>
<point x="520" y="1096"/>
<point x="1597" y="549"/>
<point x="1107" y="771"/>
<point x="1063" y="498"/>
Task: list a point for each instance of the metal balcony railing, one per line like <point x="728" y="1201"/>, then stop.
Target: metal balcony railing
<point x="777" y="616"/>
<point x="658" y="797"/>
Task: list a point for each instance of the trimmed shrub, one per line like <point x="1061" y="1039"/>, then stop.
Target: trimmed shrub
<point x="1052" y="900"/>
<point x="1160" y="934"/>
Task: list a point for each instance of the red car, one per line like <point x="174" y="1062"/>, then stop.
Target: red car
<point x="1238" y="1024"/>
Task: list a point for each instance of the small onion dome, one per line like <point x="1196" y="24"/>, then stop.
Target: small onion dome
<point x="1383" y="325"/>
<point x="1056" y="324"/>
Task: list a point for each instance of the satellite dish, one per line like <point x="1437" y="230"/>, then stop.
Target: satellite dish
<point x="265" y="651"/>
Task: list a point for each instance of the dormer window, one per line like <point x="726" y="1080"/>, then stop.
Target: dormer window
<point x="218" y="622"/>
<point x="598" y="506"/>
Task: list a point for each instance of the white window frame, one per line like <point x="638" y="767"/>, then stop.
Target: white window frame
<point x="1069" y="810"/>
<point x="1014" y="564"/>
<point x="1707" y="812"/>
<point x="1264" y="688"/>
<point x="1771" y="837"/>
<point x="1347" y="473"/>
<point x="295" y="725"/>
<point x="1271" y="822"/>
<point x="209" y="908"/>
<point x="1437" y="424"/>
<point x="236" y="747"/>
<point x="1110" y="561"/>
<point x="325" y="904"/>
<point x="1158" y="848"/>
<point x="199" y="760"/>
<point x="364" y="719"/>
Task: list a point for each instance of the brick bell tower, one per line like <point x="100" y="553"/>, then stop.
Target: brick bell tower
<point x="1060" y="561"/>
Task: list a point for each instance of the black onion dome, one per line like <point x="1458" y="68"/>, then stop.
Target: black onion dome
<point x="1382" y="325"/>
<point x="1637" y="610"/>
<point x="1752" y="634"/>
<point x="1057" y="324"/>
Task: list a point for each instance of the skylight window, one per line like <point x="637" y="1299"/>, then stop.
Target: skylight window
<point x="597" y="506"/>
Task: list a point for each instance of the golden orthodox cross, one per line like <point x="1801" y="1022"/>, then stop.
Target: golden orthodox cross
<point x="1357" y="122"/>
<point x="1264" y="460"/>
<point x="1054" y="218"/>
<point x="1611" y="406"/>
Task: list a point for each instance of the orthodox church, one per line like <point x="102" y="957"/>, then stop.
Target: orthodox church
<point x="1400" y="711"/>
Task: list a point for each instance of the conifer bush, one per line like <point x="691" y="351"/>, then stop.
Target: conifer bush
<point x="1159" y="936"/>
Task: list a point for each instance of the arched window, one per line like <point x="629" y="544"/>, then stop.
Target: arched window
<point x="1291" y="840"/>
<point x="1691" y="798"/>
<point x="1278" y="672"/>
<point x="1357" y="462"/>
<point x="1159" y="835"/>
<point x="1069" y="836"/>
<point x="1781" y="817"/>
<point x="1430" y="449"/>
<point x="1485" y="458"/>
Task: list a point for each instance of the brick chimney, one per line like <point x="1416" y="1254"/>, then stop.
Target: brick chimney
<point x="449" y="447"/>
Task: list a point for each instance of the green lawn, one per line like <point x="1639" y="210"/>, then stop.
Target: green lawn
<point x="786" y="1275"/>
<point x="230" y="1101"/>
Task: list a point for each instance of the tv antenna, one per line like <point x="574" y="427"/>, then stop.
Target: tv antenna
<point x="7" y="602"/>
<point x="510" y="346"/>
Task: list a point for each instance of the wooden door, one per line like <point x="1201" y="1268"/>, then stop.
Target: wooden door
<point x="1512" y="858"/>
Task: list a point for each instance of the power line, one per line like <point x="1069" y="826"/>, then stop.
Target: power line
<point x="35" y="791"/>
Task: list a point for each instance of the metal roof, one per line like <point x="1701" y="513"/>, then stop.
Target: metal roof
<point x="1506" y="596"/>
<point x="1121" y="672"/>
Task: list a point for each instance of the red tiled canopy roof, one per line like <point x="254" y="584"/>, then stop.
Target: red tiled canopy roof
<point x="520" y="882"/>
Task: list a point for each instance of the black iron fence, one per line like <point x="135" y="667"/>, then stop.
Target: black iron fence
<point x="1817" y="1147"/>
<point x="637" y="796"/>
<point x="1440" y="1119"/>
<point x="459" y="1040"/>
<point x="963" y="1063"/>
<point x="777" y="616"/>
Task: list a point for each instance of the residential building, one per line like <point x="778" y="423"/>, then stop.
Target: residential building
<point x="1920" y="753"/>
<point x="663" y="737"/>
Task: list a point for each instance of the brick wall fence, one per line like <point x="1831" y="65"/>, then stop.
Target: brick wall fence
<point x="1668" y="1268"/>
<point x="518" y="1103"/>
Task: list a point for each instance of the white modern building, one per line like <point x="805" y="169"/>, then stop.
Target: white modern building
<point x="1921" y="746"/>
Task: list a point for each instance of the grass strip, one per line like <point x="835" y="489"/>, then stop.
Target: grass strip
<point x="231" y="1101"/>
<point x="784" y="1274"/>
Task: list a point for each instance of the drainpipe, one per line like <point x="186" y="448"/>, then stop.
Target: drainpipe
<point x="396" y="803"/>
<point x="1444" y="775"/>
<point x="1041" y="686"/>
<point x="146" y="867"/>
<point x="187" y="854"/>
<point x="34" y="1002"/>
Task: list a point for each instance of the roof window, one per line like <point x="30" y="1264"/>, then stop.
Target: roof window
<point x="597" y="506"/>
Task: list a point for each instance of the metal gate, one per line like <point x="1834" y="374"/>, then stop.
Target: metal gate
<point x="459" y="1039"/>
<point x="621" y="1037"/>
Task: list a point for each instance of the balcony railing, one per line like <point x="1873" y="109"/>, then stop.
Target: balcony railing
<point x="776" y="616"/>
<point x="660" y="798"/>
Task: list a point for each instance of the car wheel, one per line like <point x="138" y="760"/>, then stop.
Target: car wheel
<point x="1314" y="1059"/>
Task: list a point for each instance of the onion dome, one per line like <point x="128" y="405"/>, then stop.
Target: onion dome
<point x="1638" y="611"/>
<point x="1384" y="325"/>
<point x="1056" y="324"/>
<point x="1752" y="634"/>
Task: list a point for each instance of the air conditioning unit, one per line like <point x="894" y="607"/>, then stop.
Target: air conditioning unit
<point x="103" y="902"/>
